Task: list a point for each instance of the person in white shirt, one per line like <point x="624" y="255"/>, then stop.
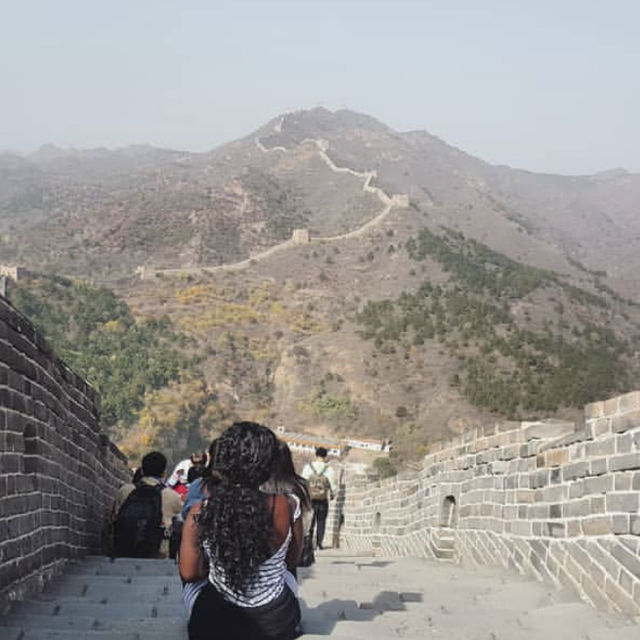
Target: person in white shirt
<point x="322" y="486"/>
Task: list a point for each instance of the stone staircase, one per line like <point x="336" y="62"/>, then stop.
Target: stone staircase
<point x="104" y="600"/>
<point x="443" y="544"/>
<point x="344" y="597"/>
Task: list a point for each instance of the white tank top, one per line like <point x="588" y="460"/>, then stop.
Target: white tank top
<point x="269" y="580"/>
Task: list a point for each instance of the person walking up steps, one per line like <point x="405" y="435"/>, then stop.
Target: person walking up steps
<point x="321" y="479"/>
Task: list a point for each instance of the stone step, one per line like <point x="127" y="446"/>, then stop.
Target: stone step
<point x="81" y="607"/>
<point x="18" y="633"/>
<point x="444" y="553"/>
<point x="96" y="596"/>
<point x="92" y="623"/>
<point x="48" y="634"/>
<point x="117" y="581"/>
<point x="99" y="587"/>
<point x="123" y="570"/>
<point x="444" y="542"/>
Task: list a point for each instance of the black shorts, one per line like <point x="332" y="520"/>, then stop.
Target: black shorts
<point x="214" y="618"/>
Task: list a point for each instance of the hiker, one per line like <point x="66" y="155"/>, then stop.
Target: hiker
<point x="179" y="473"/>
<point x="241" y="542"/>
<point x="144" y="511"/>
<point x="321" y="481"/>
<point x="199" y="459"/>
<point x="195" y="474"/>
<point x="284" y="479"/>
<point x="197" y="487"/>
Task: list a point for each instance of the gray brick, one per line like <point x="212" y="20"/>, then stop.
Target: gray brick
<point x="628" y="502"/>
<point x="624" y="444"/>
<point x="623" y="482"/>
<point x="601" y="448"/>
<point x="599" y="484"/>
<point x="598" y="467"/>
<point x="625" y="422"/>
<point x="575" y="470"/>
<point x="625" y="462"/>
<point x="597" y="526"/>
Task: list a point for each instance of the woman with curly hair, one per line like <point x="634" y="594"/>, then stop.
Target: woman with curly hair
<point x="242" y="541"/>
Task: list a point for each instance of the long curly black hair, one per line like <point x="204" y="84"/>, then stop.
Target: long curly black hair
<point x="235" y="523"/>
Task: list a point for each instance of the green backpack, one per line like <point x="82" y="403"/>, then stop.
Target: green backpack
<point x="319" y="485"/>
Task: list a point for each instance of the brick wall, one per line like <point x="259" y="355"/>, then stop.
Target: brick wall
<point x="58" y="473"/>
<point x="544" y="498"/>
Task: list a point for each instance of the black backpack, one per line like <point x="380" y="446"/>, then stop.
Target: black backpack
<point x="138" y="529"/>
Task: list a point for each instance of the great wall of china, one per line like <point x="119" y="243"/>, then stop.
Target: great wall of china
<point x="58" y="472"/>
<point x="299" y="236"/>
<point x="551" y="501"/>
<point x="544" y="498"/>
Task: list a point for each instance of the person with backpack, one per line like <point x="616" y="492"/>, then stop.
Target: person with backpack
<point x="144" y="511"/>
<point x="321" y="480"/>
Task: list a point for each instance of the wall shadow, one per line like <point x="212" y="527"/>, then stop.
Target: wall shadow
<point x="322" y="619"/>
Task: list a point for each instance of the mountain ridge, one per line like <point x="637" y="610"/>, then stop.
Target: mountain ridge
<point x="50" y="150"/>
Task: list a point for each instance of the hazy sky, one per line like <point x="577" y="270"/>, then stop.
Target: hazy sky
<point x="547" y="85"/>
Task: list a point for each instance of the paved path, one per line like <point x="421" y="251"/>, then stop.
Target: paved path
<point x="343" y="597"/>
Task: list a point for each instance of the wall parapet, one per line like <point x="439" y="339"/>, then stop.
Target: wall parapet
<point x="556" y="502"/>
<point x="58" y="472"/>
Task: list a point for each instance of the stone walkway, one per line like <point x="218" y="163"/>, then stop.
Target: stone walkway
<point x="344" y="597"/>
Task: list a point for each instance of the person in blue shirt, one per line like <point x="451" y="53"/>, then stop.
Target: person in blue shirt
<point x="196" y="481"/>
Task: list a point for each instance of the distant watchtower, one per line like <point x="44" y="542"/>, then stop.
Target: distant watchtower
<point x="145" y="273"/>
<point x="400" y="200"/>
<point x="13" y="272"/>
<point x="300" y="236"/>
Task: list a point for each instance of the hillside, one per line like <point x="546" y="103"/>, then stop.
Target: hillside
<point x="411" y="319"/>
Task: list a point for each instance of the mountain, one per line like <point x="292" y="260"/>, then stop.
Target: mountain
<point x="437" y="291"/>
<point x="105" y="212"/>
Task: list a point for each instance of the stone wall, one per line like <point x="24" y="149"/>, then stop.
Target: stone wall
<point x="58" y="473"/>
<point x="544" y="498"/>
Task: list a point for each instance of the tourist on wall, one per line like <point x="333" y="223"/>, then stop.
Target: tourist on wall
<point x="321" y="479"/>
<point x="284" y="479"/>
<point x="144" y="511"/>
<point x="197" y="480"/>
<point x="239" y="543"/>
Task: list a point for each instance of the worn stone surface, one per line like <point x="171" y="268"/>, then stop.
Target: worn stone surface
<point x="370" y="598"/>
<point x="98" y="598"/>
<point x="342" y="596"/>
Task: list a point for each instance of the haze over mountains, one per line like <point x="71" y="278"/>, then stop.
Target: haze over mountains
<point x="114" y="210"/>
<point x="489" y="291"/>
